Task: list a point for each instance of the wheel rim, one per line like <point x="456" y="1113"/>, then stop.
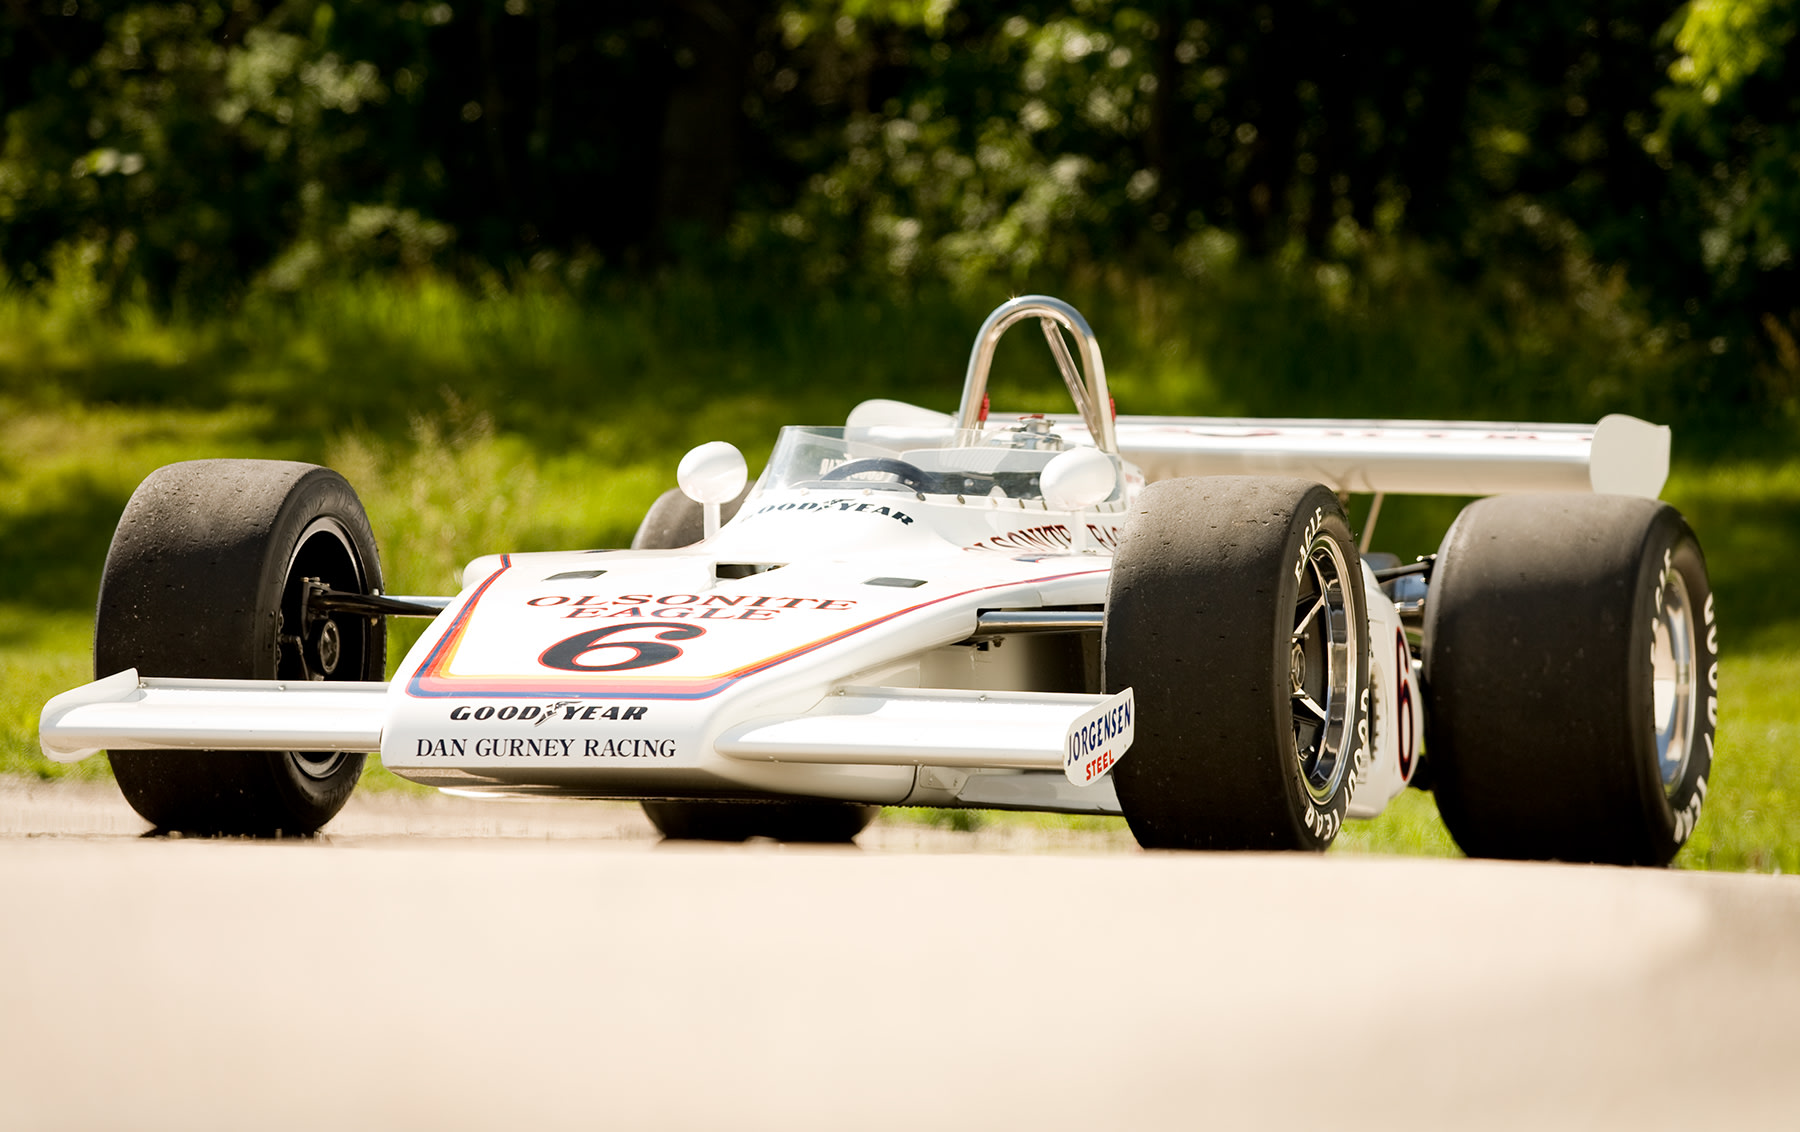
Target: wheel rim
<point x="325" y="649"/>
<point x="1319" y="670"/>
<point x="1673" y="692"/>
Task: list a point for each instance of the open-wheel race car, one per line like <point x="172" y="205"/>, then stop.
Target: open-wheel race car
<point x="1166" y="618"/>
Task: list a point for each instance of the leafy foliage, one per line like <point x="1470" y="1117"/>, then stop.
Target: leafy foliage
<point x="181" y="151"/>
<point x="1730" y="139"/>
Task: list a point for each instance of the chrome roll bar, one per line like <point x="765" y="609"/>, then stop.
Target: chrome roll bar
<point x="1054" y="316"/>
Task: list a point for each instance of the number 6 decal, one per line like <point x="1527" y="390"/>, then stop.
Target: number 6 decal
<point x="567" y="654"/>
<point x="1405" y="725"/>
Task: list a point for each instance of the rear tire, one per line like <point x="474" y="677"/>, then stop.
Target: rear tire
<point x="674" y="521"/>
<point x="1571" y="679"/>
<point x="1213" y="579"/>
<point x="203" y="579"/>
<point x="817" y="822"/>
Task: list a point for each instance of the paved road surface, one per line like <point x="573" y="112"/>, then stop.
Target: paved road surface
<point x="491" y="965"/>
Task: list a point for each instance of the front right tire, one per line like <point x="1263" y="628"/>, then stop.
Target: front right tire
<point x="205" y="578"/>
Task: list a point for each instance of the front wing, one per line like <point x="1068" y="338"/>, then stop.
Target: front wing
<point x="1080" y="735"/>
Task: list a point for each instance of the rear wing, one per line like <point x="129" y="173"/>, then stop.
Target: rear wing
<point x="1619" y="455"/>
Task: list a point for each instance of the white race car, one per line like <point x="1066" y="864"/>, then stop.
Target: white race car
<point x="1162" y="617"/>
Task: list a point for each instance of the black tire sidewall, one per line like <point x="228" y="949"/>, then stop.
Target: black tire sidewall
<point x="322" y="494"/>
<point x="1320" y="822"/>
<point x="1671" y="815"/>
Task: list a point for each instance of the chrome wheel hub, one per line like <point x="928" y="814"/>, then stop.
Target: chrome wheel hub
<point x="1674" y="693"/>
<point x="314" y="646"/>
<point x="1321" y="670"/>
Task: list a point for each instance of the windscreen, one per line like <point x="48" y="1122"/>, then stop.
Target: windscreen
<point x="1004" y="462"/>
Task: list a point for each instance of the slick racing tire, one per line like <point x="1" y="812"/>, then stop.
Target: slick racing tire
<point x="1571" y="679"/>
<point x="819" y="822"/>
<point x="204" y="579"/>
<point x="674" y="521"/>
<point x="1237" y="615"/>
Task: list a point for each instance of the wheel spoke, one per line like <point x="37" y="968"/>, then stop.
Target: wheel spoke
<point x="1304" y="620"/>
<point x="1304" y="701"/>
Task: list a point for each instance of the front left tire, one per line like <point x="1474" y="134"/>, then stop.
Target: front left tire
<point x="1237" y="615"/>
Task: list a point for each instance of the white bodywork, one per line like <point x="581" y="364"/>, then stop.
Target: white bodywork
<point x="827" y="642"/>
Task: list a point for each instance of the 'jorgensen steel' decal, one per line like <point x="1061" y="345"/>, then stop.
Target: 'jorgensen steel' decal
<point x="1099" y="739"/>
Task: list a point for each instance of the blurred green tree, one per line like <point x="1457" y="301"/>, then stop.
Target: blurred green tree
<point x="187" y="150"/>
<point x="1729" y="141"/>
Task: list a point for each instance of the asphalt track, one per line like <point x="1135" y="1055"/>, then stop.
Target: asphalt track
<point x="472" y="965"/>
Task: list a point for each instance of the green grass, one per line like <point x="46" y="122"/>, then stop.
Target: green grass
<point x="41" y="654"/>
<point x="1752" y="819"/>
<point x="472" y="422"/>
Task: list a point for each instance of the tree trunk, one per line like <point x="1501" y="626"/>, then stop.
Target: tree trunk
<point x="713" y="42"/>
